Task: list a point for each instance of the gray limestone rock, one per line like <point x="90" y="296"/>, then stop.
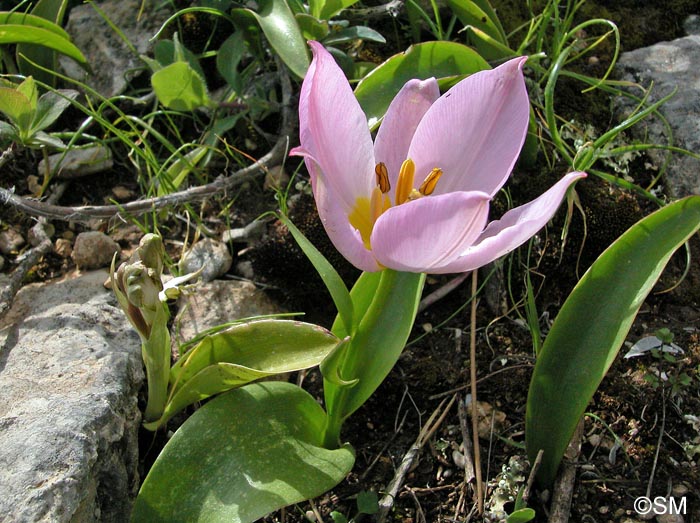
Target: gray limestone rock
<point x="109" y="57"/>
<point x="70" y="371"/>
<point x="669" y="65"/>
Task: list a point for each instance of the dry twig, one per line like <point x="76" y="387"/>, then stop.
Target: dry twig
<point x="433" y="423"/>
<point x="88" y="213"/>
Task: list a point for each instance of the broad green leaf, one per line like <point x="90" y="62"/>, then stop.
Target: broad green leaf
<point x="16" y="34"/>
<point x="331" y="279"/>
<point x="377" y="341"/>
<point x="482" y="17"/>
<point x="268" y="345"/>
<point x="227" y="59"/>
<point x="50" y="106"/>
<point x="241" y="456"/>
<point x="28" y="54"/>
<point x="242" y="354"/>
<point x="522" y="515"/>
<point x="429" y="59"/>
<point x="592" y="325"/>
<point x="282" y="31"/>
<point x="166" y="52"/>
<point x="16" y="107"/>
<point x="179" y="87"/>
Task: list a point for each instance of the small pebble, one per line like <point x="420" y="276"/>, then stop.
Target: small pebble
<point x="122" y="193"/>
<point x="10" y="241"/>
<point x="63" y="247"/>
<point x="210" y="254"/>
<point x="93" y="250"/>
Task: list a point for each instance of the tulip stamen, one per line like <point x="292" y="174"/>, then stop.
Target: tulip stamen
<point x="430" y="182"/>
<point x="404" y="185"/>
<point x="382" y="177"/>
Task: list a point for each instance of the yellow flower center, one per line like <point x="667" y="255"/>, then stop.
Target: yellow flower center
<point x="367" y="210"/>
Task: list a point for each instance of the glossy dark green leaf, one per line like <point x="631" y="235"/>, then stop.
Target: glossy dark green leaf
<point x="592" y="325"/>
<point x="241" y="456"/>
<point x="429" y="59"/>
<point x="282" y="31"/>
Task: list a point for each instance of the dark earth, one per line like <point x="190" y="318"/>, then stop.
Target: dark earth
<point x="636" y="433"/>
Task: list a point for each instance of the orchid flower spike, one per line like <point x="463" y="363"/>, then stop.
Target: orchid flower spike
<point x="417" y="198"/>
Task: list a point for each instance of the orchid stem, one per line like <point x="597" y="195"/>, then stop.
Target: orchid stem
<point x="475" y="408"/>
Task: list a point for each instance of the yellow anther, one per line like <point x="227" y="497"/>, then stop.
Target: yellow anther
<point x="428" y="185"/>
<point x="382" y="177"/>
<point x="404" y="185"/>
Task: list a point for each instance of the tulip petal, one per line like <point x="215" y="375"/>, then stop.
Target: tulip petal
<point x="342" y="234"/>
<point x="333" y="130"/>
<point x="513" y="229"/>
<point x="475" y="131"/>
<point x="430" y="231"/>
<point x="402" y="117"/>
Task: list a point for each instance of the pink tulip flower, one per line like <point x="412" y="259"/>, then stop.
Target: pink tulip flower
<point x="417" y="198"/>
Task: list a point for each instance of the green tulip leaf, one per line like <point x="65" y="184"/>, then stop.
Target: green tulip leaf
<point x="378" y="338"/>
<point x="179" y="87"/>
<point x="592" y="325"/>
<point x="241" y="354"/>
<point x="331" y="279"/>
<point x="425" y="60"/>
<point x="241" y="456"/>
